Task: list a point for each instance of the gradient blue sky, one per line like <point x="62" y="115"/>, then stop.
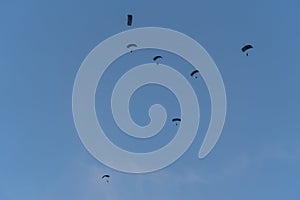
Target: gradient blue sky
<point x="42" y="45"/>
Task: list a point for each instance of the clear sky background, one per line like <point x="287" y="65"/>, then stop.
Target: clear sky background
<point x="42" y="45"/>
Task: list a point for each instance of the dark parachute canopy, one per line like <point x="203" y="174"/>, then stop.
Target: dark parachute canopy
<point x="105" y="176"/>
<point x="176" y="120"/>
<point x="157" y="57"/>
<point x="131" y="45"/>
<point x="194" y="72"/>
<point x="246" y="48"/>
<point x="129" y="20"/>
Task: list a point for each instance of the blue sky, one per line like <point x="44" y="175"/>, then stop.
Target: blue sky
<point x="42" y="45"/>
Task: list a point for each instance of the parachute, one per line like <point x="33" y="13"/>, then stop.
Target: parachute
<point x="194" y="72"/>
<point x="176" y="120"/>
<point x="157" y="57"/>
<point x="131" y="46"/>
<point x="129" y="20"/>
<point x="106" y="177"/>
<point x="246" y="48"/>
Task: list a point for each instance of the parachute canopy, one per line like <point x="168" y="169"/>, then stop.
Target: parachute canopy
<point x="246" y="48"/>
<point x="157" y="57"/>
<point x="105" y="176"/>
<point x="176" y="119"/>
<point x="131" y="45"/>
<point x="194" y="72"/>
<point x="129" y="20"/>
